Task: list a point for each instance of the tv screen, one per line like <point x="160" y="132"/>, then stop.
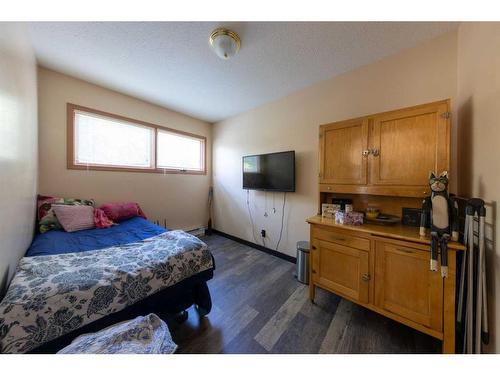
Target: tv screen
<point x="270" y="172"/>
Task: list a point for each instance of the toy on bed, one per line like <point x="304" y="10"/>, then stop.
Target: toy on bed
<point x="443" y="214"/>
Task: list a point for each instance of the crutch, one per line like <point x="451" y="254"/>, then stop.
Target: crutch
<point x="461" y="289"/>
<point x="479" y="283"/>
<point x="476" y="324"/>
<point x="481" y="305"/>
<point x="469" y="315"/>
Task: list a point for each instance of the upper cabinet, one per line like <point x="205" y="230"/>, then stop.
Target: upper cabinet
<point x="342" y="145"/>
<point x="386" y="154"/>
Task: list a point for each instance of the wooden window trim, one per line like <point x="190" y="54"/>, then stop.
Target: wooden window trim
<point x="70" y="145"/>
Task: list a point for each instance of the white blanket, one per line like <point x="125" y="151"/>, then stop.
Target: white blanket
<point x="142" y="335"/>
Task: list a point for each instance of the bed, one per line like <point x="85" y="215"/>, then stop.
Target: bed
<point x="74" y="283"/>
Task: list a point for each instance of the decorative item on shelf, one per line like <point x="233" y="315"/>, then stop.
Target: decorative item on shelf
<point x="372" y="212"/>
<point x="341" y="203"/>
<point x="384" y="219"/>
<point x="411" y="216"/>
<point x="443" y="220"/>
<point x="328" y="210"/>
<point x="349" y="218"/>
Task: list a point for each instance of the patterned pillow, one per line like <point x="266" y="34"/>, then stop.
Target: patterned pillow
<point x="74" y="218"/>
<point x="47" y="220"/>
<point x="122" y="211"/>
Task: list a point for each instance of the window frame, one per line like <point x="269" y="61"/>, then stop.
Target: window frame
<point x="71" y="147"/>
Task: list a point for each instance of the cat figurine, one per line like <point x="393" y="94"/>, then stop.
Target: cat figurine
<point x="443" y="213"/>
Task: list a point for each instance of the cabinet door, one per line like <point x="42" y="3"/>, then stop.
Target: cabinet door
<point x="341" y="269"/>
<point x="405" y="286"/>
<point x="341" y="152"/>
<point x="410" y="143"/>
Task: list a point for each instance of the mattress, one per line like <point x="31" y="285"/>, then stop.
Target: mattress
<point x="60" y="242"/>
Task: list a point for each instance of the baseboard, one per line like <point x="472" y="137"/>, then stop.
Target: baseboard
<point x="256" y="246"/>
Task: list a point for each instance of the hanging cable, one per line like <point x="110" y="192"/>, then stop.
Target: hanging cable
<point x="250" y="214"/>
<point x="282" y="220"/>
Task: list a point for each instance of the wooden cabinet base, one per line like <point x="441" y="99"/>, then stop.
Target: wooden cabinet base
<point x="388" y="274"/>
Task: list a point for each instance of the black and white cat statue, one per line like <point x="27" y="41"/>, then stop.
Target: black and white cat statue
<point x="443" y="213"/>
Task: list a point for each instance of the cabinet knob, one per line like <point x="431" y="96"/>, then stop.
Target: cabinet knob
<point x="365" y="277"/>
<point x="313" y="247"/>
<point x="366" y="153"/>
<point x="313" y="271"/>
<point x="375" y="152"/>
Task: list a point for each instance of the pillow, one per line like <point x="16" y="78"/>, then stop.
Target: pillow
<point x="74" y="218"/>
<point x="122" y="211"/>
<point x="45" y="214"/>
<point x="101" y="220"/>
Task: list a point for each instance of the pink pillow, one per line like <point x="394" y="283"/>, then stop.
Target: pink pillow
<point x="74" y="218"/>
<point x="101" y="220"/>
<point x="122" y="211"/>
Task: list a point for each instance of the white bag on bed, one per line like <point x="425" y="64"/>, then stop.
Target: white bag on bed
<point x="142" y="335"/>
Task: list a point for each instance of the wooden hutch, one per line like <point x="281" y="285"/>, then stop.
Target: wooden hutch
<point x="384" y="160"/>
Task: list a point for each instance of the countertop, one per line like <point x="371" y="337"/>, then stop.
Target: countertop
<point x="397" y="231"/>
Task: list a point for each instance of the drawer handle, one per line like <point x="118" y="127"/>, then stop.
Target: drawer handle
<point x="365" y="277"/>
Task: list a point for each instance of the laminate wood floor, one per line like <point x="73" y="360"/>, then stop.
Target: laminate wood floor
<point x="259" y="307"/>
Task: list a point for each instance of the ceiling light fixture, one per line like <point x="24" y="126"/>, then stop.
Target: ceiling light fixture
<point x="225" y="43"/>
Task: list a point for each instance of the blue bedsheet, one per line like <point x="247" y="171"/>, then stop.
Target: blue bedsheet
<point x="60" y="242"/>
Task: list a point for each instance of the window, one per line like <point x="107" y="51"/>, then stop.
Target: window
<point x="178" y="151"/>
<point x="102" y="141"/>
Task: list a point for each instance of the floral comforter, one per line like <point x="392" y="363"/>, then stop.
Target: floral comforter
<point x="56" y="294"/>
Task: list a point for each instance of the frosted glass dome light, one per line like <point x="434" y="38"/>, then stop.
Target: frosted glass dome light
<point x="225" y="43"/>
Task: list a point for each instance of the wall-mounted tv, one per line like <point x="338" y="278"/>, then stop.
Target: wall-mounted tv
<point x="270" y="172"/>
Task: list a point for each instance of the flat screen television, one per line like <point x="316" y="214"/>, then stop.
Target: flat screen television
<point x="270" y="172"/>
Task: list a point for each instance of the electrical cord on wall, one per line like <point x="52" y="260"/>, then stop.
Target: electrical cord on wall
<point x="282" y="220"/>
<point x="250" y="214"/>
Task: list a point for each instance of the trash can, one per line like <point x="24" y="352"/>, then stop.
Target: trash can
<point x="303" y="262"/>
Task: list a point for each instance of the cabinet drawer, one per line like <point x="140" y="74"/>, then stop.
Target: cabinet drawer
<point x="341" y="238"/>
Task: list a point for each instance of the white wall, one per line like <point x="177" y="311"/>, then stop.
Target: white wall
<point x="479" y="137"/>
<point x="422" y="74"/>
<point x="180" y="199"/>
<point x="18" y="147"/>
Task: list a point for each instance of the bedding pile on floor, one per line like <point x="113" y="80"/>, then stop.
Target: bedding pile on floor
<point x="56" y="294"/>
<point x="142" y="335"/>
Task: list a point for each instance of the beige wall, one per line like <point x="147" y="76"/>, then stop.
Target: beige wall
<point x="479" y="136"/>
<point x="180" y="199"/>
<point x="18" y="147"/>
<point x="422" y="74"/>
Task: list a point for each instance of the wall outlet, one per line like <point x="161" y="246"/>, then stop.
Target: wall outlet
<point x="263" y="233"/>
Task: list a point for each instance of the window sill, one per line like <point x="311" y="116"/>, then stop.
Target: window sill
<point x="129" y="169"/>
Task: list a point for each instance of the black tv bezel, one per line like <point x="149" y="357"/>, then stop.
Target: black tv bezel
<point x="269" y="153"/>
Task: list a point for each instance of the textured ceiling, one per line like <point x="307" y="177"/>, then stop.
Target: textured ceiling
<point x="171" y="64"/>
